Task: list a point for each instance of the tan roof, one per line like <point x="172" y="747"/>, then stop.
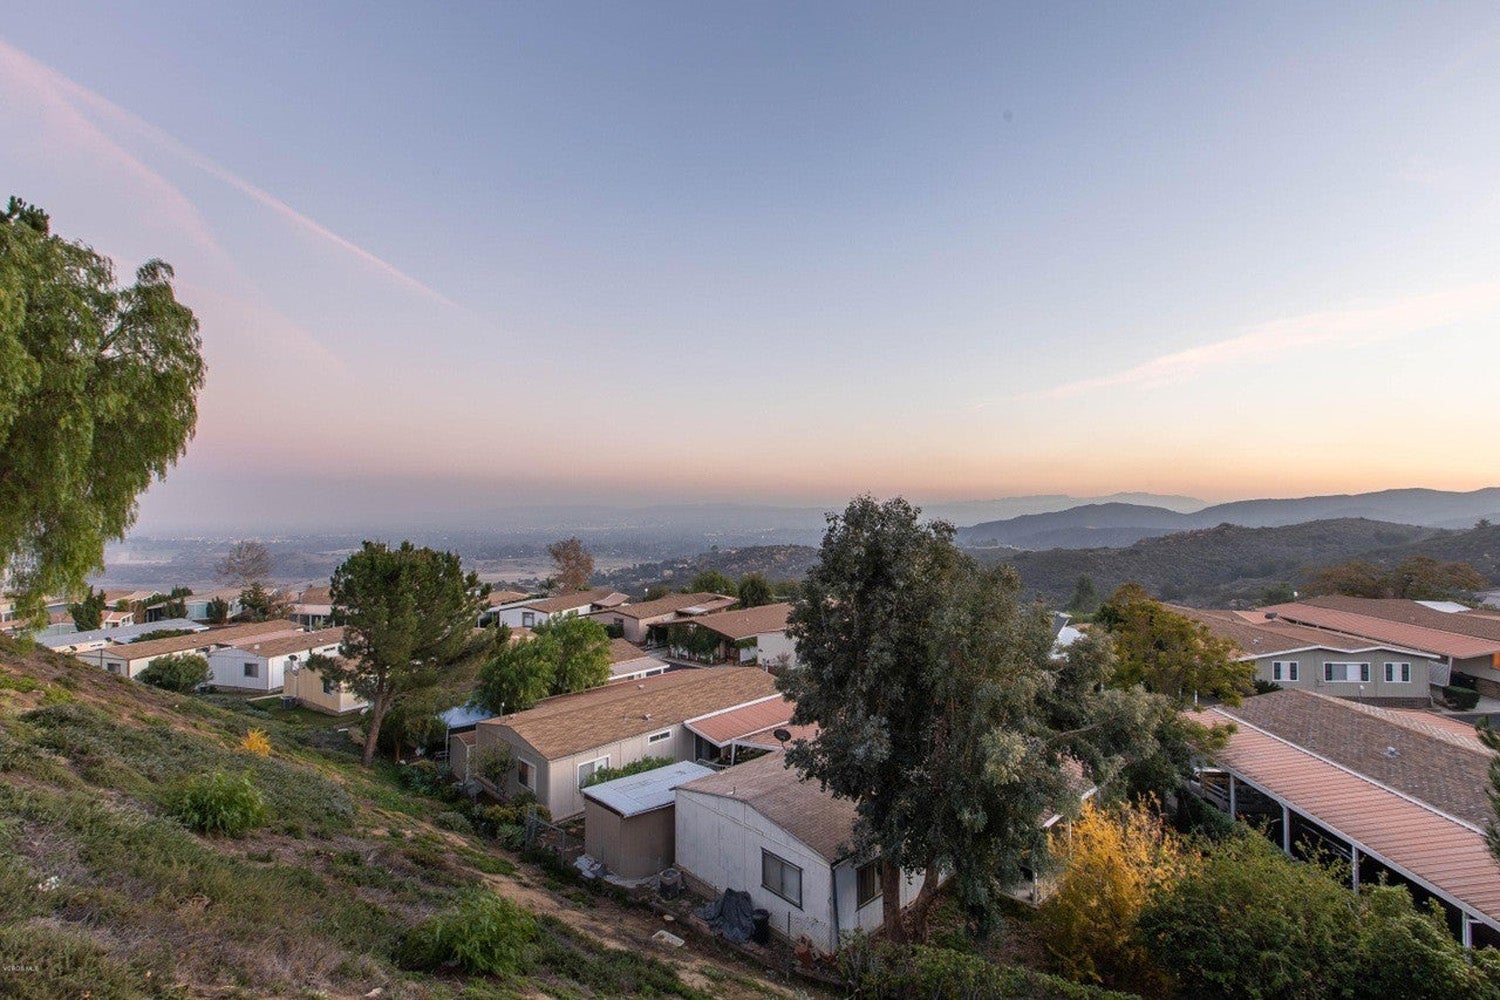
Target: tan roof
<point x="316" y="595"/>
<point x="621" y="650"/>
<point x="579" y="599"/>
<point x="495" y="598"/>
<point x="1481" y="626"/>
<point x="766" y="738"/>
<point x="1429" y="763"/>
<point x="746" y="622"/>
<point x="725" y="727"/>
<point x="283" y="644"/>
<point x="228" y="635"/>
<point x="1258" y="635"/>
<point x="1425" y="638"/>
<point x="673" y="604"/>
<point x="801" y="808"/>
<point x="571" y="723"/>
<point x="1445" y="852"/>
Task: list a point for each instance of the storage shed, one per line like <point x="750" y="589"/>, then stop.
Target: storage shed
<point x="630" y="825"/>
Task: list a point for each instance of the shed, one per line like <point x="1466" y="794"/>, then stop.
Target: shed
<point x="629" y="824"/>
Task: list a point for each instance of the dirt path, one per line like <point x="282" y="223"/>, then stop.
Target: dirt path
<point x="630" y="929"/>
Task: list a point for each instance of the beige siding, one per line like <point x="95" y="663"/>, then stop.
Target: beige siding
<point x="306" y="685"/>
<point x="633" y="846"/>
<point x="555" y="782"/>
<point x="1310" y="673"/>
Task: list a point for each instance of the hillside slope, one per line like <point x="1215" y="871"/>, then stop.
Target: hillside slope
<point x="102" y="894"/>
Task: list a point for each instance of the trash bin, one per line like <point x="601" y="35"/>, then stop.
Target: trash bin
<point x="761" y="930"/>
<point x="670" y="884"/>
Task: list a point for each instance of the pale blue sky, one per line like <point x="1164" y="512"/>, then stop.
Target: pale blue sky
<point x="627" y="252"/>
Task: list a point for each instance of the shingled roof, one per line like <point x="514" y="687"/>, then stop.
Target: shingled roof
<point x="230" y="635"/>
<point x="572" y="723"/>
<point x="603" y="597"/>
<point x="801" y="808"/>
<point x="673" y="604"/>
<point x="1257" y="635"/>
<point x="1440" y="641"/>
<point x="746" y="622"/>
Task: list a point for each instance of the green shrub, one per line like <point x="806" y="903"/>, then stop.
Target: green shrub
<point x="634" y="767"/>
<point x="180" y="672"/>
<point x="456" y="822"/>
<point x="891" y="972"/>
<point x="481" y="933"/>
<point x="218" y="804"/>
<point x="1461" y="698"/>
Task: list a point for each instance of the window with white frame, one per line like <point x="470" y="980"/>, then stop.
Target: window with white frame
<point x="1398" y="673"/>
<point x="1351" y="672"/>
<point x="1284" y="670"/>
<point x="781" y="877"/>
<point x="867" y="883"/>
<point x="586" y="771"/>
<point x="660" y="737"/>
<point x="528" y="619"/>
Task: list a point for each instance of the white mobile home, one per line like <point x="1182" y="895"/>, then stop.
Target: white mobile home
<point x="261" y="665"/>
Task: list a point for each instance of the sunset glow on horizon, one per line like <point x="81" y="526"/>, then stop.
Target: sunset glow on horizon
<point x="781" y="255"/>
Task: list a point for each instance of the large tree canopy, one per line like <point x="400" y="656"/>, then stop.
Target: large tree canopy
<point x="408" y="614"/>
<point x="1170" y="653"/>
<point x="941" y="712"/>
<point x="98" y="395"/>
<point x="562" y="656"/>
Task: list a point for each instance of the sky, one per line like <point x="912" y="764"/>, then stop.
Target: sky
<point x="458" y="257"/>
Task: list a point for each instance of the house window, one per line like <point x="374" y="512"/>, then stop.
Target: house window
<point x="252" y="670"/>
<point x="867" y="883"/>
<point x="328" y="686"/>
<point x="781" y="877"/>
<point x="1284" y="670"/>
<point x="665" y="734"/>
<point x="1351" y="672"/>
<point x="528" y="619"/>
<point x="586" y="771"/>
<point x="1398" y="673"/>
<point x="523" y="773"/>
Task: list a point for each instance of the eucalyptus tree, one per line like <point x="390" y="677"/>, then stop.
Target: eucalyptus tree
<point x="98" y="396"/>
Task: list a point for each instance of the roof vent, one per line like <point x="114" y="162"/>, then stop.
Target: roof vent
<point x="1270" y="614"/>
<point x="1391" y="753"/>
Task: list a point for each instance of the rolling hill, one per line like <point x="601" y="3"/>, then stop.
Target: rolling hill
<point x="1117" y="524"/>
<point x="1228" y="564"/>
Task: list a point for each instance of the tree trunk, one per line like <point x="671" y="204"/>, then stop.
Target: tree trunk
<point x="922" y="905"/>
<point x="378" y="707"/>
<point x="890" y="903"/>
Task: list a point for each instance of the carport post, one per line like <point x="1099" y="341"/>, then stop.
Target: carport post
<point x="1286" y="828"/>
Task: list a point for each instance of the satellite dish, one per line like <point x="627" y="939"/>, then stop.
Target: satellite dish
<point x="781" y="735"/>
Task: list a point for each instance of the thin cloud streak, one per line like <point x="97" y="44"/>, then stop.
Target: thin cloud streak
<point x="37" y="72"/>
<point x="1348" y="327"/>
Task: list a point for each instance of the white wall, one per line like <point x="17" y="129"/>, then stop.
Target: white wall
<point x="227" y="667"/>
<point x="514" y="616"/>
<point x="771" y="645"/>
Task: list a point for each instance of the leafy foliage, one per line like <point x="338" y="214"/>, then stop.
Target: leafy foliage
<point x="219" y="805"/>
<point x="162" y="633"/>
<point x="1085" y="599"/>
<point x="1417" y="578"/>
<point x="408" y="613"/>
<point x="563" y="655"/>
<point x="481" y="933"/>
<point x="755" y="591"/>
<point x="261" y="604"/>
<point x="176" y="672"/>
<point x="1114" y="861"/>
<point x="941" y="712"/>
<point x="88" y="614"/>
<point x="1170" y="653"/>
<point x="217" y="611"/>
<point x="98" y="397"/>
<point x="712" y="581"/>
<point x="574" y="564"/>
<point x="641" y="766"/>
<point x="257" y="742"/>
<point x="888" y="972"/>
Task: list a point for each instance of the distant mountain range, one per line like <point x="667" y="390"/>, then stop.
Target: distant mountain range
<point x="1112" y="524"/>
<point x="1231" y="565"/>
